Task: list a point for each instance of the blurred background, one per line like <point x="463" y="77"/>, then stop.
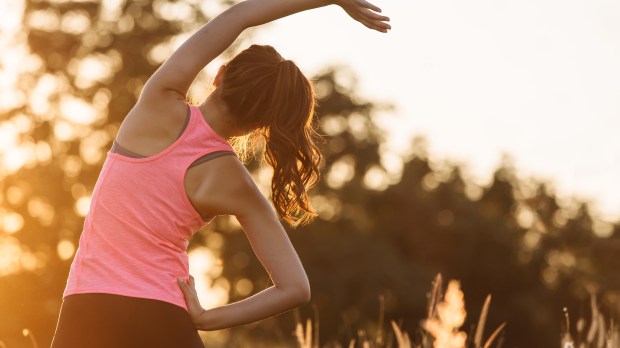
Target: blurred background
<point x="477" y="139"/>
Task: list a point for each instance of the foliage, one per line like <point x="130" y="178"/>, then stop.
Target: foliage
<point x="387" y="236"/>
<point x="81" y="68"/>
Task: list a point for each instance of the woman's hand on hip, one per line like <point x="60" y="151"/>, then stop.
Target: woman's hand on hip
<point x="191" y="299"/>
<point x="365" y="13"/>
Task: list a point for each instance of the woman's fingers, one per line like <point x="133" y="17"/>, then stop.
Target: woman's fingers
<point x="374" y="20"/>
<point x="366" y="13"/>
<point x="188" y="289"/>
<point x="369" y="5"/>
<point x="375" y="16"/>
<point x="375" y="25"/>
<point x="183" y="285"/>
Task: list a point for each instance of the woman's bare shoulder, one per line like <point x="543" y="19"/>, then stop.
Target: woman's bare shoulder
<point x="227" y="187"/>
<point x="149" y="128"/>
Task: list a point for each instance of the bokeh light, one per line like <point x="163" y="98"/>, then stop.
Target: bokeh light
<point x="12" y="222"/>
<point x="65" y="249"/>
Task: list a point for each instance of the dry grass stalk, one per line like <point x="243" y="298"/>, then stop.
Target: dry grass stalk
<point x="401" y="338"/>
<point x="494" y="335"/>
<point x="599" y="335"/>
<point x="33" y="341"/>
<point x="304" y="339"/>
<point x="379" y="339"/>
<point x="567" y="339"/>
<point x="482" y="322"/>
<point x="594" y="325"/>
<point x="435" y="296"/>
<point x="613" y="338"/>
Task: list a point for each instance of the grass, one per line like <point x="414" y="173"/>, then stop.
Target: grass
<point x="441" y="328"/>
<point x="445" y="316"/>
<point x="600" y="333"/>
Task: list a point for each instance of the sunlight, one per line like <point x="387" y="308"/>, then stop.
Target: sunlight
<point x="82" y="205"/>
<point x="172" y="11"/>
<point x="358" y="126"/>
<point x="111" y="9"/>
<point x="393" y="165"/>
<point x="41" y="210"/>
<point x="39" y="98"/>
<point x="15" y="158"/>
<point x="43" y="152"/>
<point x="525" y="216"/>
<point x="10" y="22"/>
<point x="376" y="178"/>
<point x="244" y="287"/>
<point x="333" y="125"/>
<point x="95" y="68"/>
<point x="47" y="20"/>
<point x="602" y="229"/>
<point x="430" y="181"/>
<point x="12" y="222"/>
<point x="328" y="207"/>
<point x="75" y="22"/>
<point x="531" y="239"/>
<point x="202" y="262"/>
<point x="72" y="166"/>
<point x="64" y="131"/>
<point x="341" y="172"/>
<point x="8" y="136"/>
<point x="10" y="253"/>
<point x="92" y="146"/>
<point x="65" y="249"/>
<point x="77" y="111"/>
<point x="15" y="195"/>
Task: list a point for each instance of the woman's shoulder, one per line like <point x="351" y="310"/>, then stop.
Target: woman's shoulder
<point x="150" y="128"/>
<point x="225" y="182"/>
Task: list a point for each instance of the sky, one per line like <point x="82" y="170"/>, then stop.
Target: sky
<point x="536" y="79"/>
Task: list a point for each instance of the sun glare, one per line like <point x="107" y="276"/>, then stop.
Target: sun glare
<point x="77" y="111"/>
<point x="202" y="263"/>
<point x="9" y="21"/>
<point x="10" y="253"/>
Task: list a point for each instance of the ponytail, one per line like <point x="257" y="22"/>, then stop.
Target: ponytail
<point x="271" y="95"/>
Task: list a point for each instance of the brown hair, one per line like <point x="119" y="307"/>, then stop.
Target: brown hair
<point x="269" y="96"/>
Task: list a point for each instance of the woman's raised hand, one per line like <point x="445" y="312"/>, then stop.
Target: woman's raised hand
<point x="365" y="13"/>
<point x="191" y="299"/>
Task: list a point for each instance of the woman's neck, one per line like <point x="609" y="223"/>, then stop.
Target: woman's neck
<point x="218" y="117"/>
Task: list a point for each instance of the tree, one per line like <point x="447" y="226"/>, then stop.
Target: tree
<point x="81" y="67"/>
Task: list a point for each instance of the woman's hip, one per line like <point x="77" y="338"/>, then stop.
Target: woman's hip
<point x="107" y="320"/>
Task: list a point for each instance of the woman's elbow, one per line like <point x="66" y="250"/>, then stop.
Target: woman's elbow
<point x="304" y="294"/>
<point x="299" y="294"/>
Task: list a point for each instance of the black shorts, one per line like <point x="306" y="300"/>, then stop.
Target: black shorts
<point x="114" y="321"/>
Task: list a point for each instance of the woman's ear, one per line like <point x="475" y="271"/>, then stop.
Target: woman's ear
<point x="220" y="75"/>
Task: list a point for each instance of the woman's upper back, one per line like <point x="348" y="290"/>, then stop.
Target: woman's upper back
<point x="140" y="221"/>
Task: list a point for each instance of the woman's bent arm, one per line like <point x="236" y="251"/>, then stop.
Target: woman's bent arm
<point x="175" y="76"/>
<point x="230" y="189"/>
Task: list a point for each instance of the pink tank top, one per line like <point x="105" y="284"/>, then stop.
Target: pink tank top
<point x="136" y="233"/>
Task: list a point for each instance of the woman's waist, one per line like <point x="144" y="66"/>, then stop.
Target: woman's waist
<point x="136" y="277"/>
<point x="124" y="299"/>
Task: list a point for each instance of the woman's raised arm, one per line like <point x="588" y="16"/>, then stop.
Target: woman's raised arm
<point x="175" y="76"/>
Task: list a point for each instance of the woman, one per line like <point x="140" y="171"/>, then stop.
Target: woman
<point x="171" y="170"/>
